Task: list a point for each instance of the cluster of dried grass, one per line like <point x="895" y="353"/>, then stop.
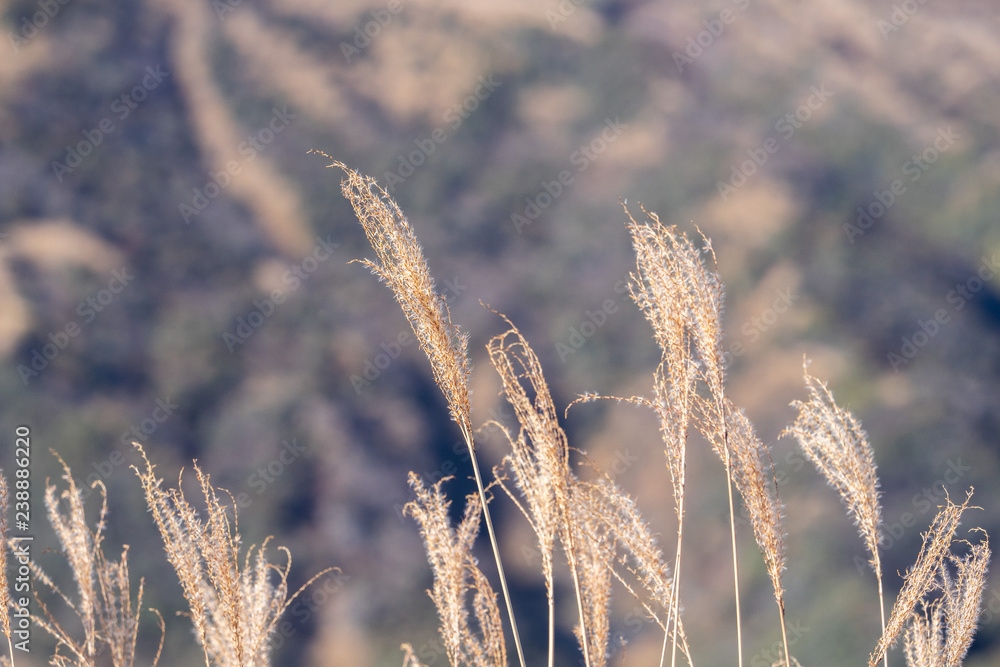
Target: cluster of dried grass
<point x="233" y="606"/>
<point x="597" y="525"/>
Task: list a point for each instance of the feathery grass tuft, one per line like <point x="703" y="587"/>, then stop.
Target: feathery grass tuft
<point x="541" y="471"/>
<point x="104" y="603"/>
<point x="750" y="474"/>
<point x="836" y="444"/>
<point x="449" y="552"/>
<point x="682" y="299"/>
<point x="234" y="606"/>
<point x="402" y="266"/>
<point x="594" y="549"/>
<point x="942" y="634"/>
<point x="635" y="550"/>
<point x="4" y="586"/>
<point x="599" y="526"/>
<point x="920" y="578"/>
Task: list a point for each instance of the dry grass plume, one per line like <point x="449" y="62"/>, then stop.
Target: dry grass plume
<point x="599" y="526"/>
<point x="234" y="604"/>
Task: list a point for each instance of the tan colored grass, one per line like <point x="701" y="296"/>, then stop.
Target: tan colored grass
<point x="634" y="551"/>
<point x="681" y="298"/>
<point x="234" y="604"/>
<point x="924" y="638"/>
<point x="837" y="445"/>
<point x="539" y="461"/>
<point x="754" y="478"/>
<point x="942" y="633"/>
<point x="401" y="264"/>
<point x="920" y="579"/>
<point x="449" y="551"/>
<point x="4" y="586"/>
<point x="659" y="287"/>
<point x="104" y="605"/>
<point x="598" y="525"/>
<point x="594" y="548"/>
<point x="963" y="598"/>
<point x="753" y="474"/>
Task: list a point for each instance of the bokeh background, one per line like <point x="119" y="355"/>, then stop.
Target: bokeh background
<point x="157" y="199"/>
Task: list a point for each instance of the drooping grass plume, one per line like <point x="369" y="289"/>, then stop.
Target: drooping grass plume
<point x="594" y="546"/>
<point x="682" y="299"/>
<point x="104" y="604"/>
<point x="401" y="264"/>
<point x="963" y="597"/>
<point x="599" y="526"/>
<point x="118" y="618"/>
<point x="924" y="637"/>
<point x="665" y="263"/>
<point x="539" y="462"/>
<point x="649" y="579"/>
<point x="750" y="473"/>
<point x="449" y="551"/>
<point x="942" y="633"/>
<point x="234" y="606"/>
<point x="836" y="444"/>
<point x="921" y="578"/>
<point x="4" y="590"/>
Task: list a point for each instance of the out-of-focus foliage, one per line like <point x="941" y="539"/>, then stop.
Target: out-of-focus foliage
<point x="175" y="265"/>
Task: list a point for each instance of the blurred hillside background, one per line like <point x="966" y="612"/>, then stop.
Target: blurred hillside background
<point x="166" y="235"/>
